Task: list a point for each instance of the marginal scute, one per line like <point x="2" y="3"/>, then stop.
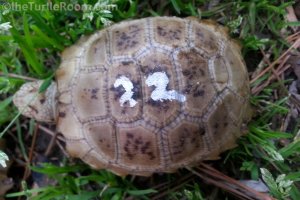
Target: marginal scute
<point x="68" y="125"/>
<point x="237" y="107"/>
<point x="222" y="127"/>
<point x="77" y="148"/>
<point x="65" y="74"/>
<point x="94" y="159"/>
<point x="74" y="51"/>
<point x="238" y="80"/>
<point x="152" y="95"/>
<point x="64" y="98"/>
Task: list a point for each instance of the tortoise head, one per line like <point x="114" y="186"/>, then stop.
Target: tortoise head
<point x="31" y="103"/>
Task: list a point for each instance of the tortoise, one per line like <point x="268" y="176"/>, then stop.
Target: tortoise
<point x="147" y="95"/>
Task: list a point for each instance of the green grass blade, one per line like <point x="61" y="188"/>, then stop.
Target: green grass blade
<point x="47" y="82"/>
<point x="5" y="103"/>
<point x="294" y="176"/>
<point x="141" y="192"/>
<point x="39" y="22"/>
<point x="252" y="16"/>
<point x="27" y="32"/>
<point x="23" y="193"/>
<point x="21" y="143"/>
<point x="176" y="6"/>
<point x="290" y="149"/>
<point x="47" y="39"/>
<point x="28" y="52"/>
<point x="83" y="195"/>
<point x="4" y="38"/>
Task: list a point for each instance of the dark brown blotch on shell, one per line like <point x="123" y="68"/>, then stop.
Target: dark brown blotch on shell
<point x="196" y="71"/>
<point x="136" y="145"/>
<point x="220" y="125"/>
<point x="128" y="39"/>
<point x="161" y="106"/>
<point x="104" y="142"/>
<point x="92" y="92"/>
<point x="197" y="90"/>
<point x="170" y="34"/>
<point x="147" y="70"/>
<point x="207" y="41"/>
<point x="188" y="138"/>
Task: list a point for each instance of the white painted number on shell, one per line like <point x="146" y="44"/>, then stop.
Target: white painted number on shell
<point x="160" y="80"/>
<point x="128" y="86"/>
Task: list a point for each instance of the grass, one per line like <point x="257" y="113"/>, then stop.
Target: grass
<point x="31" y="49"/>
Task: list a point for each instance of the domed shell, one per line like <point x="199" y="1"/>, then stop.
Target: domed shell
<point x="152" y="95"/>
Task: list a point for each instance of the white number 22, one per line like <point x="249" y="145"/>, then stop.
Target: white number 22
<point x="158" y="79"/>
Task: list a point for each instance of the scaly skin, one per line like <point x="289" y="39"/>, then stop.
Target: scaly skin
<point x="40" y="106"/>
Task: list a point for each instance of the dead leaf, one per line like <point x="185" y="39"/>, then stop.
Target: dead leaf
<point x="258" y="186"/>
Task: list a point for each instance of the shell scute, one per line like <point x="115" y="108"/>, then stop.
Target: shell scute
<point x="221" y="125"/>
<point x="153" y="64"/>
<point x="68" y="123"/>
<point x="238" y="74"/>
<point x="96" y="53"/>
<point x="88" y="95"/>
<point x="125" y="83"/>
<point x="169" y="34"/>
<point x="204" y="38"/>
<point x="196" y="81"/>
<point x="127" y="38"/>
<point x="187" y="138"/>
<point x="101" y="137"/>
<point x="138" y="147"/>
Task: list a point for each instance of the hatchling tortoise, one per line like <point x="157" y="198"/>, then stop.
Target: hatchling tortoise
<point x="147" y="95"/>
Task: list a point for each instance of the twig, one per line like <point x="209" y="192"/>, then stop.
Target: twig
<point x="51" y="144"/>
<point x="50" y="132"/>
<point x="276" y="72"/>
<point x="30" y="156"/>
<point x="55" y="138"/>
<point x="18" y="76"/>
<point x="164" y="189"/>
<point x="291" y="16"/>
<point x="62" y="149"/>
<point x="292" y="37"/>
<point x="294" y="46"/>
<point x="262" y="63"/>
<point x="219" y="179"/>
